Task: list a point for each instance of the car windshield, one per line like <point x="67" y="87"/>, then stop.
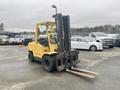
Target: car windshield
<point x="101" y="34"/>
<point x="81" y="39"/>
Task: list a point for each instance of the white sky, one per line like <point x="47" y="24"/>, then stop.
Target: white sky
<point x="25" y="13"/>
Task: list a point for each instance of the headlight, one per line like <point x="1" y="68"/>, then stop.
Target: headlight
<point x="4" y="40"/>
<point x="99" y="44"/>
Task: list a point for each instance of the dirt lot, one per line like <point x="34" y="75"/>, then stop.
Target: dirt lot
<point x="16" y="73"/>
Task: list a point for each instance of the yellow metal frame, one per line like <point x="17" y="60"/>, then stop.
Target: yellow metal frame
<point x="39" y="50"/>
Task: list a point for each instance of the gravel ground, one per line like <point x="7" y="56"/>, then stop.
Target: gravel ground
<point x="16" y="73"/>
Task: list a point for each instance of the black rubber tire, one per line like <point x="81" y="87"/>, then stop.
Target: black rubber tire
<point x="7" y="43"/>
<point x="93" y="48"/>
<point x="31" y="57"/>
<point x="49" y="63"/>
<point x="111" y="46"/>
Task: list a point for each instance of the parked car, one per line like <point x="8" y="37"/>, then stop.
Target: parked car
<point x="117" y="41"/>
<point x="27" y="40"/>
<point x="114" y="36"/>
<point x="4" y="39"/>
<point x="103" y="38"/>
<point x="78" y="42"/>
<point x="16" y="40"/>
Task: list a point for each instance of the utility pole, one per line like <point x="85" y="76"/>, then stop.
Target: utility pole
<point x="2" y="27"/>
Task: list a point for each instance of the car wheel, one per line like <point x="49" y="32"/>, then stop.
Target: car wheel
<point x="111" y="46"/>
<point x="7" y="42"/>
<point x="49" y="63"/>
<point x="93" y="48"/>
<point x="31" y="57"/>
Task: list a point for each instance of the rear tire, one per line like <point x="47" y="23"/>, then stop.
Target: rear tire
<point x="93" y="48"/>
<point x="49" y="63"/>
<point x="31" y="57"/>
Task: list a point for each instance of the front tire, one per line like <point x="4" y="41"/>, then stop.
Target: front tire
<point x="31" y="57"/>
<point x="49" y="63"/>
<point x="93" y="48"/>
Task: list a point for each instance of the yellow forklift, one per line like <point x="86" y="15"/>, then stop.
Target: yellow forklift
<point x="52" y="47"/>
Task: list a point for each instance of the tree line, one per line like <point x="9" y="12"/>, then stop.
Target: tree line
<point x="110" y="29"/>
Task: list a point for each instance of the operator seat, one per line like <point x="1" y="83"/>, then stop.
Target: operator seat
<point x="43" y="41"/>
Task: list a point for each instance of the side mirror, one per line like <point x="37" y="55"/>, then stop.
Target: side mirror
<point x="97" y="41"/>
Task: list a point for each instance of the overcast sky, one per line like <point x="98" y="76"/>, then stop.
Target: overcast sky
<point x="25" y="13"/>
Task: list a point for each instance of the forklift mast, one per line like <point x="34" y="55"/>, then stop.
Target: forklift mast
<point x="63" y="33"/>
<point x="67" y="34"/>
<point x="64" y="42"/>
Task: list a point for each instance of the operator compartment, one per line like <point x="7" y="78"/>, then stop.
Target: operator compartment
<point x="47" y="36"/>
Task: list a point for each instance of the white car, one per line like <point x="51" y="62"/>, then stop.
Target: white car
<point x="16" y="40"/>
<point x="4" y="39"/>
<point x="20" y="39"/>
<point x="78" y="42"/>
